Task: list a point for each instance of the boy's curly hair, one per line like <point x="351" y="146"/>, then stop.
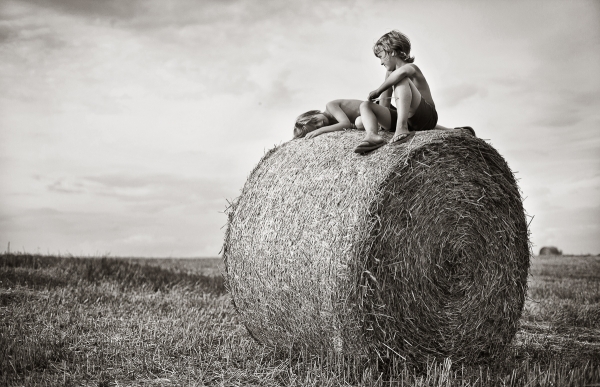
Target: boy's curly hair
<point x="302" y="126"/>
<point x="394" y="41"/>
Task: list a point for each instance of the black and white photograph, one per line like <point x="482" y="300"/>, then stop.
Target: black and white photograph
<point x="300" y="193"/>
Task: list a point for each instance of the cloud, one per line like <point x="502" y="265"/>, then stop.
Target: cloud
<point x="170" y="233"/>
<point x="454" y="95"/>
<point x="559" y="119"/>
<point x="6" y="33"/>
<point x="572" y="230"/>
<point x="124" y="214"/>
<point x="91" y="8"/>
<point x="278" y="92"/>
<point x="169" y="190"/>
<point x="158" y="14"/>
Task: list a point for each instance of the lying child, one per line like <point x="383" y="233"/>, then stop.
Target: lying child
<point x="338" y="115"/>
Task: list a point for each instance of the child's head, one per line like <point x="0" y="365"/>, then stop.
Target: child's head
<point x="309" y="121"/>
<point x="394" y="42"/>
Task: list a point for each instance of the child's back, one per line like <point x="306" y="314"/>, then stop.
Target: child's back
<point x="416" y="76"/>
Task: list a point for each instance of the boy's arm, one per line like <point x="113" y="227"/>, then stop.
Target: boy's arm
<point x="395" y="77"/>
<point x="334" y="108"/>
<point x="385" y="99"/>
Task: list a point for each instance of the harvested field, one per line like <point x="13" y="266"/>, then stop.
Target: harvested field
<point x="59" y="326"/>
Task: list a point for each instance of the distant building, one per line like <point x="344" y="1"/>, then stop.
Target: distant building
<point x="550" y="250"/>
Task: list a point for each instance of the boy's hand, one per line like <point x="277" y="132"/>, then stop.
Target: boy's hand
<point x="374" y="94"/>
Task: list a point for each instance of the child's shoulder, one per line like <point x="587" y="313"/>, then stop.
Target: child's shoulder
<point x="412" y="66"/>
<point x="412" y="69"/>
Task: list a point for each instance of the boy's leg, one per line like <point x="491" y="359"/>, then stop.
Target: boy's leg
<point x="373" y="115"/>
<point x="408" y="99"/>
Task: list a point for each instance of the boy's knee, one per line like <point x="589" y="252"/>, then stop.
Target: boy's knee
<point x="358" y="123"/>
<point x="366" y="105"/>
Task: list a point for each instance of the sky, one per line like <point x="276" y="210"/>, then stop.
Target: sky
<point x="126" y="127"/>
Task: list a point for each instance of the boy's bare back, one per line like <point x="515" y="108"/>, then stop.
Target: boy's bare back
<point x="415" y="74"/>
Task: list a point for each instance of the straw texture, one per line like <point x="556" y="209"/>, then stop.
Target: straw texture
<point x="416" y="250"/>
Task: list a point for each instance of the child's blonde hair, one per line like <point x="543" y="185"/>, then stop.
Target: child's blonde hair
<point x="304" y="121"/>
<point x="394" y="41"/>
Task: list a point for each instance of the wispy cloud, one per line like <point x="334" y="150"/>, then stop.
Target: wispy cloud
<point x="454" y="95"/>
<point x="165" y="190"/>
<point x="91" y="8"/>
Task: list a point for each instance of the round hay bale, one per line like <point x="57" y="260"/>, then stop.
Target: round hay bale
<point x="418" y="249"/>
<point x="550" y="250"/>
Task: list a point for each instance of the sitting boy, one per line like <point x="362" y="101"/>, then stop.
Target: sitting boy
<point x="414" y="103"/>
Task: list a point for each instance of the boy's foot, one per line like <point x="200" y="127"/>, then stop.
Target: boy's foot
<point x="468" y="129"/>
<point x="400" y="138"/>
<point x="368" y="145"/>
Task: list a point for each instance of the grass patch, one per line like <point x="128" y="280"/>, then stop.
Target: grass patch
<point x="47" y="272"/>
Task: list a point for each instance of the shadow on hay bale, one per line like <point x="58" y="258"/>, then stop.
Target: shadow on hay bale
<point x="550" y="250"/>
<point x="419" y="249"/>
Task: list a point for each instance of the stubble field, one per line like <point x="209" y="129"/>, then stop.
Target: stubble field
<point x="117" y="322"/>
